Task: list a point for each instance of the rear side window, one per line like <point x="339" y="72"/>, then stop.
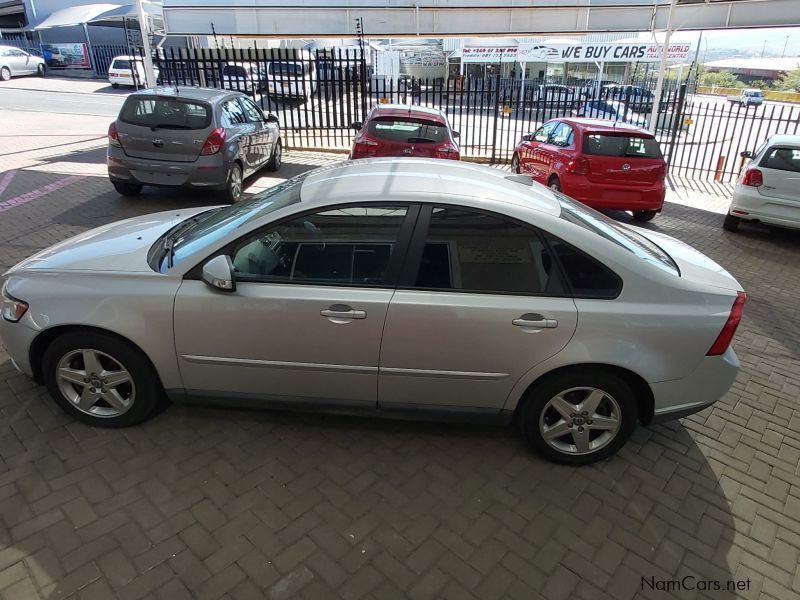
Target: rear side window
<point x="165" y="113"/>
<point x="286" y="68"/>
<point x="472" y="251"/>
<point x="587" y="277"/>
<point x="782" y="159"/>
<point x="407" y="130"/>
<point x="603" y="144"/>
<point x="232" y="114"/>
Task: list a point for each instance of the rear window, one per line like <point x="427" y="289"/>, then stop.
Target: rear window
<point x="782" y="159"/>
<point x="634" y="242"/>
<point x="603" y="144"/>
<point x="121" y="63"/>
<point x="165" y="113"/>
<point x="407" y="131"/>
<point x="754" y="94"/>
<point x="286" y="68"/>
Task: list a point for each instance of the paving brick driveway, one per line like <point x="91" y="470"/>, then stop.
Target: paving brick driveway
<point x="208" y="503"/>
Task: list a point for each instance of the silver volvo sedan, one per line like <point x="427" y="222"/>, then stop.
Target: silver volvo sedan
<point x="407" y="287"/>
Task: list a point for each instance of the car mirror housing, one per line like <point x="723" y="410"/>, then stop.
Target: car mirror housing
<point x="272" y="118"/>
<point x="218" y="273"/>
<point x="456" y="135"/>
<point x="746" y="154"/>
<point x="527" y="137"/>
<point x="356" y="126"/>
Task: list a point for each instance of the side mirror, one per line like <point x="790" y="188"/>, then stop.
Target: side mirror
<point x="456" y="135"/>
<point x="356" y="126"/>
<point x="527" y="137"/>
<point x="271" y="118"/>
<point x="746" y="154"/>
<point x="218" y="273"/>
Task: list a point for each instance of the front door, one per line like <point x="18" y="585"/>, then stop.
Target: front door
<point x="305" y="321"/>
<point x="483" y="305"/>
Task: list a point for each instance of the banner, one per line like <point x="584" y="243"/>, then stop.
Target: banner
<point x="605" y="52"/>
<point x="66" y="56"/>
<point x="488" y="54"/>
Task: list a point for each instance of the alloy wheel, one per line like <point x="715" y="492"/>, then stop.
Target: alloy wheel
<point x="236" y="183"/>
<point x="580" y="420"/>
<point x="278" y="156"/>
<point x="5" y="74"/>
<point x="95" y="383"/>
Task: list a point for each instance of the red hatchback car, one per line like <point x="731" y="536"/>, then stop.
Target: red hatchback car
<point x="605" y="165"/>
<point x="399" y="130"/>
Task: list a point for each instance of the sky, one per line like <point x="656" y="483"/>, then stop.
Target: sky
<point x="748" y="39"/>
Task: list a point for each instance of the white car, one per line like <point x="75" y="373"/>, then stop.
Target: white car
<point x="14" y="62"/>
<point x="768" y="190"/>
<point x="243" y="77"/>
<point x="406" y="287"/>
<point x="128" y="70"/>
<point x="609" y="110"/>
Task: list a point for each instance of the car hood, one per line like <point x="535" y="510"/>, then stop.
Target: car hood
<point x="693" y="265"/>
<point x="121" y="246"/>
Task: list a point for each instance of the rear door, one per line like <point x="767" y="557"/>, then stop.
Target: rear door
<point x="163" y="127"/>
<point x="781" y="168"/>
<point x="623" y="158"/>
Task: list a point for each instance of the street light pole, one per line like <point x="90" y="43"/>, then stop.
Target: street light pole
<point x="149" y="71"/>
<point x="763" y="48"/>
<point x="786" y="43"/>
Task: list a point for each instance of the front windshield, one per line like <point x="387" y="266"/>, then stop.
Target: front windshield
<point x="634" y="242"/>
<point x="215" y="224"/>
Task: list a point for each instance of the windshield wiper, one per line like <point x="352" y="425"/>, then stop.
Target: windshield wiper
<point x="168" y="126"/>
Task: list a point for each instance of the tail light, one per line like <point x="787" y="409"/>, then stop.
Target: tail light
<point x="214" y="142"/>
<point x="578" y="166"/>
<point x="447" y="151"/>
<point x="113" y="136"/>
<point x="753" y="178"/>
<point x="726" y="335"/>
<point x="365" y="147"/>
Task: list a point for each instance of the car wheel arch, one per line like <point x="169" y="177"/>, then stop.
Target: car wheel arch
<point x="48" y="336"/>
<point x="641" y="389"/>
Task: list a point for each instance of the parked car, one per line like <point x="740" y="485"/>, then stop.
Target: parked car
<point x="609" y="110"/>
<point x="748" y="97"/>
<point x="611" y="166"/>
<point x="553" y="94"/>
<point x="637" y="98"/>
<point x="400" y="287"/>
<point x="192" y="137"/>
<point x="243" y="77"/>
<point x="128" y="70"/>
<point x="403" y="130"/>
<point x="292" y="78"/>
<point x="15" y="62"/>
<point x="768" y="190"/>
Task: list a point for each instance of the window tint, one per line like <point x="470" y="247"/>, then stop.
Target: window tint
<point x="167" y="113"/>
<point x="407" y="130"/>
<point x="286" y="68"/>
<point x="472" y="251"/>
<point x="17" y="53"/>
<point x="586" y="276"/>
<point x="601" y="144"/>
<point x="782" y="159"/>
<point x="252" y="110"/>
<point x="543" y="133"/>
<point x="232" y="114"/>
<point x="121" y="63"/>
<point x="344" y="246"/>
<point x="562" y="135"/>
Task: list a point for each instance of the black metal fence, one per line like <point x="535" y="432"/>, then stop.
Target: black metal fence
<point x="319" y="95"/>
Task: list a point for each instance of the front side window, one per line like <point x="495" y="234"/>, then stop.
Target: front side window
<point x="562" y="135"/>
<point x="467" y="250"/>
<point x="341" y="246"/>
<point x="252" y="110"/>
<point x="543" y="133"/>
<point x="782" y="159"/>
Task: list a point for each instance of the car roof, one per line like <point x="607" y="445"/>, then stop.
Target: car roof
<point x="407" y="110"/>
<point x="126" y="57"/>
<point x="192" y="93"/>
<point x="599" y="125"/>
<point x="430" y="180"/>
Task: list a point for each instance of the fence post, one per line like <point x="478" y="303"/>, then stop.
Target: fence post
<point x="677" y="119"/>
<point x="496" y="114"/>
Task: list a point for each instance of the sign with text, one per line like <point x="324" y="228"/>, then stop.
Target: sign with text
<point x="488" y="54"/>
<point x="606" y="52"/>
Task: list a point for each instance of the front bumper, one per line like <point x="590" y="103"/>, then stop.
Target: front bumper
<point x="207" y="172"/>
<point x="708" y="383"/>
<point x="18" y="338"/>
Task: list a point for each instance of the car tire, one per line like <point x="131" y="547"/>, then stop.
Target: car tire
<point x="41" y="70"/>
<point x="554" y="184"/>
<point x="554" y="405"/>
<point x="127" y="189"/>
<point x="731" y="223"/>
<point x="67" y="365"/>
<point x="276" y="159"/>
<point x="515" y="163"/>
<point x="5" y="74"/>
<point x="644" y="215"/>
<point x="235" y="184"/>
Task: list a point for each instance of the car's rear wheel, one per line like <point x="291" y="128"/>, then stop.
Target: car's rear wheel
<point x="100" y="379"/>
<point x="127" y="189"/>
<point x="277" y="156"/>
<point x="41" y="70"/>
<point x="115" y="85"/>
<point x="577" y="417"/>
<point x="644" y="215"/>
<point x="554" y="184"/>
<point x="233" y="189"/>
<point x="5" y="74"/>
<point x="731" y="223"/>
<point x="515" y="163"/>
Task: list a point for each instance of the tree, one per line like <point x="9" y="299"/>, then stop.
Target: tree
<point x="789" y="82"/>
<point x="720" y="79"/>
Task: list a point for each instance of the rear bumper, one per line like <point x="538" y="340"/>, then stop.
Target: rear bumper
<point x="770" y="211"/>
<point x="708" y="383"/>
<point x="613" y="196"/>
<point x="207" y="172"/>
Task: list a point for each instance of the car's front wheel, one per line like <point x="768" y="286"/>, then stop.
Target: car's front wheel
<point x="5" y="74"/>
<point x="577" y="417"/>
<point x="644" y="215"/>
<point x="731" y="223"/>
<point x="515" y="163"/>
<point x="100" y="379"/>
<point x="41" y="70"/>
<point x="277" y="156"/>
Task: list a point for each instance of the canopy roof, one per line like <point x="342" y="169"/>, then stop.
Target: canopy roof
<point x="102" y="13"/>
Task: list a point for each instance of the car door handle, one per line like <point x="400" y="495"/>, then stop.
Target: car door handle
<point x="342" y="311"/>
<point x="536" y="321"/>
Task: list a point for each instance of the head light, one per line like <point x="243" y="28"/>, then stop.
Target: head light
<point x="11" y="309"/>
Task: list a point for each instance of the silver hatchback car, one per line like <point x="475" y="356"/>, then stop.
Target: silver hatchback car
<point x="411" y="287"/>
<point x="192" y="137"/>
